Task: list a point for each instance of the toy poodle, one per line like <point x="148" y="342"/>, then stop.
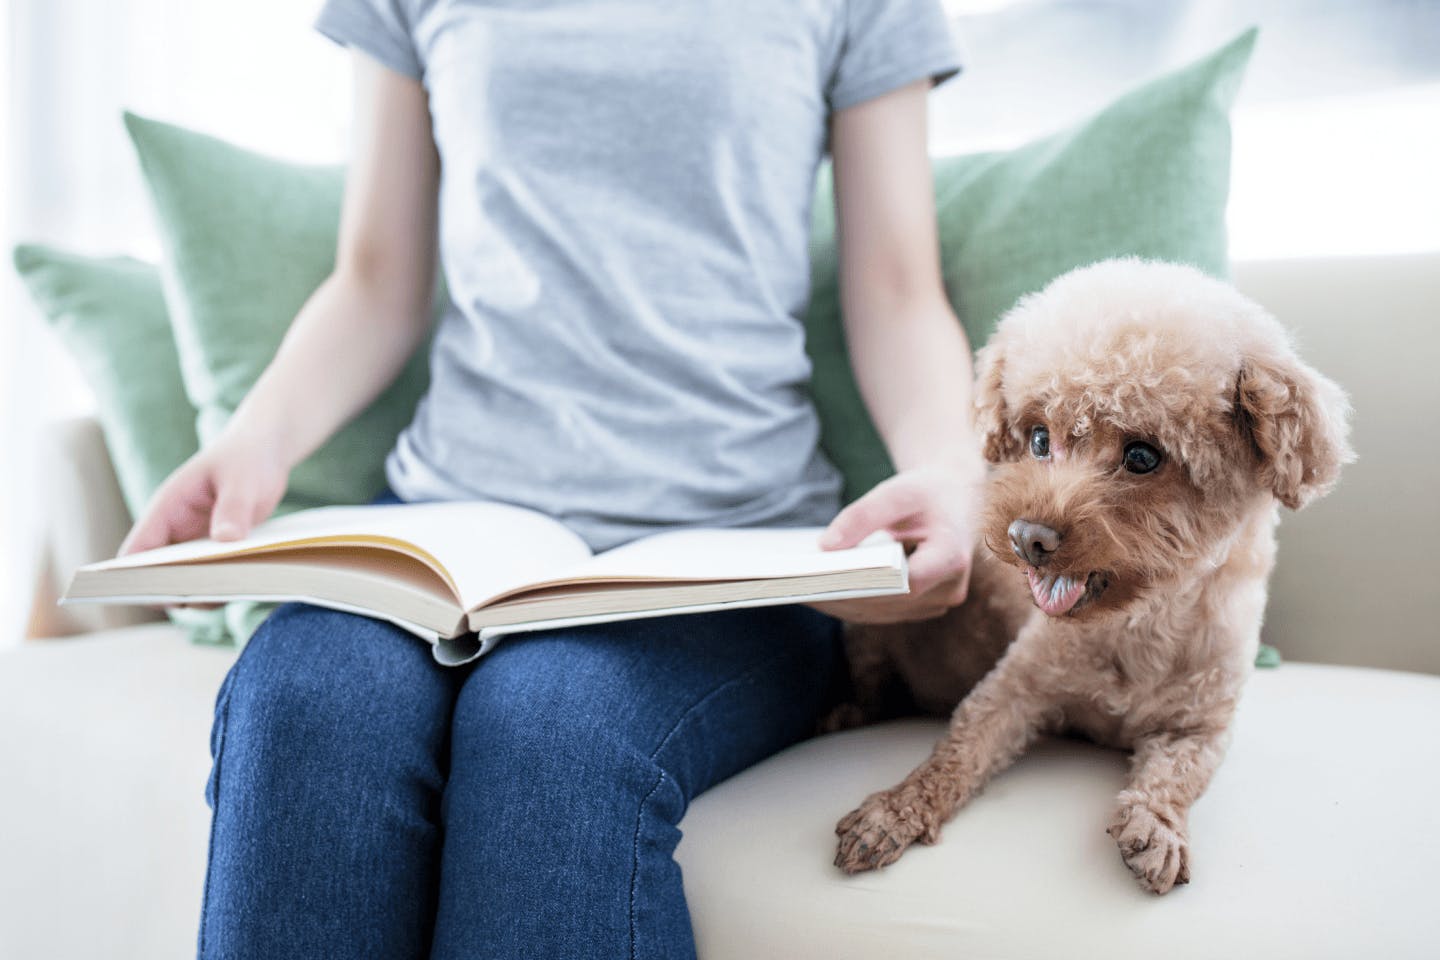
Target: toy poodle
<point x="1144" y="420"/>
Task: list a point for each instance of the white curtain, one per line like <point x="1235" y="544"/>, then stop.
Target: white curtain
<point x="253" y="72"/>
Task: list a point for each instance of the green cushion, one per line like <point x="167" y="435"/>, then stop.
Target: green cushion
<point x="247" y="239"/>
<point x="1148" y="176"/>
<point x="110" y="314"/>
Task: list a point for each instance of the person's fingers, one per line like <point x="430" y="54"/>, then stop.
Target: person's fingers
<point x="960" y="590"/>
<point x="935" y="562"/>
<point x="149" y="532"/>
<point x="234" y="508"/>
<point x="916" y="605"/>
<point x="876" y="510"/>
<point x="883" y="609"/>
<point x="950" y="588"/>
<point x="936" y="598"/>
<point x="851" y="525"/>
<point x="178" y="511"/>
<point x="163" y="523"/>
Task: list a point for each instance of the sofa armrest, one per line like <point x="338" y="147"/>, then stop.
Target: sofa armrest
<point x="86" y="520"/>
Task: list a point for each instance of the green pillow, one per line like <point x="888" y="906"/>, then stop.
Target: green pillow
<point x="247" y="239"/>
<point x="1148" y="175"/>
<point x="110" y="314"/>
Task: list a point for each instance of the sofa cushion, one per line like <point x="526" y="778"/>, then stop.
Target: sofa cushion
<point x="1316" y="839"/>
<point x="1146" y="176"/>
<point x="104" y="740"/>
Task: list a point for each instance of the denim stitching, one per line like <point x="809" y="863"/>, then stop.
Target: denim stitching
<point x="223" y="722"/>
<point x="660" y="779"/>
<point x="214" y="816"/>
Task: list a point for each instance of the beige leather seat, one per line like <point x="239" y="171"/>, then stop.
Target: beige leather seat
<point x="1318" y="838"/>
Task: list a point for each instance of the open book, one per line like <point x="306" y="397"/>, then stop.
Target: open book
<point x="461" y="574"/>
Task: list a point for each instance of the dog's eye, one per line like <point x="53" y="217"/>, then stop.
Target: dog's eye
<point x="1141" y="457"/>
<point x="1040" y="442"/>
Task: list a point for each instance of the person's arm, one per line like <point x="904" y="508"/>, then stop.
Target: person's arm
<point x="910" y="356"/>
<point x="349" y="341"/>
<point x="360" y="326"/>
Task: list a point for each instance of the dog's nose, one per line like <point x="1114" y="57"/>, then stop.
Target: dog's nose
<point x="1033" y="542"/>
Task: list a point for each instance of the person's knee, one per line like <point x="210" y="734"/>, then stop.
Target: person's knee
<point x="558" y="700"/>
<point x="314" y="676"/>
<point x="683" y="703"/>
<point x="555" y="780"/>
<point x="556" y="707"/>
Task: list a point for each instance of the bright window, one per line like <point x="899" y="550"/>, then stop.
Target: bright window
<point x="1337" y="127"/>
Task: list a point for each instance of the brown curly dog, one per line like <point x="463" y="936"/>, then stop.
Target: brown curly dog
<point x="1144" y="421"/>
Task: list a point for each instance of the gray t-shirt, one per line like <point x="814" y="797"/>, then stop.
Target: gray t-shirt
<point x="624" y="214"/>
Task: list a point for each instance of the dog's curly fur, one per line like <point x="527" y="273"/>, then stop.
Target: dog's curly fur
<point x="1153" y="655"/>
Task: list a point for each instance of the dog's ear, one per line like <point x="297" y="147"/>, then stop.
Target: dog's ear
<point x="992" y="418"/>
<point x="1298" y="421"/>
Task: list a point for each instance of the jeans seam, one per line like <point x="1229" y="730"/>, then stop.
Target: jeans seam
<point x="660" y="779"/>
<point x="214" y="816"/>
<point x="223" y="721"/>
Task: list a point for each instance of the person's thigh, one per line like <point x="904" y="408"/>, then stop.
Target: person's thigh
<point x="330" y="746"/>
<point x="574" y="755"/>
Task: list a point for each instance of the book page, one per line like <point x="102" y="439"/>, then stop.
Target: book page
<point x="479" y="548"/>
<point x="735" y="554"/>
<point x="708" y="554"/>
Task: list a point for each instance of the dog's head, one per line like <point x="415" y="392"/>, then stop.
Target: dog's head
<point x="1139" y="412"/>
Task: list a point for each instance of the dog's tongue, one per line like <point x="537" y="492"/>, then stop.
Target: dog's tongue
<point x="1055" y="594"/>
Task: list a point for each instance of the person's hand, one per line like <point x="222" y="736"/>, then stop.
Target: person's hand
<point x="221" y="492"/>
<point x="932" y="511"/>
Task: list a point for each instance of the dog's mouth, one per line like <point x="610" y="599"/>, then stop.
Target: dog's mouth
<point x="1059" y="594"/>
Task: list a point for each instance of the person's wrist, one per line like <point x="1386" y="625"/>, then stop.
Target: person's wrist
<point x="260" y="440"/>
<point x="966" y="468"/>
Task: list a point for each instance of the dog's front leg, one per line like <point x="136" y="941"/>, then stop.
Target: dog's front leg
<point x="876" y="689"/>
<point x="1167" y="774"/>
<point x="989" y="729"/>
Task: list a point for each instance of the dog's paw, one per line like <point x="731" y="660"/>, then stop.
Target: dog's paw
<point x="845" y="716"/>
<point x="1152" y="845"/>
<point x="877" y="832"/>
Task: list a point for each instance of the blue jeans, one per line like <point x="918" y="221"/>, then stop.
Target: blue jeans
<point x="368" y="802"/>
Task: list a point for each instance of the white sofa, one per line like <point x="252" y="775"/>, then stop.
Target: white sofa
<point x="1319" y="837"/>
